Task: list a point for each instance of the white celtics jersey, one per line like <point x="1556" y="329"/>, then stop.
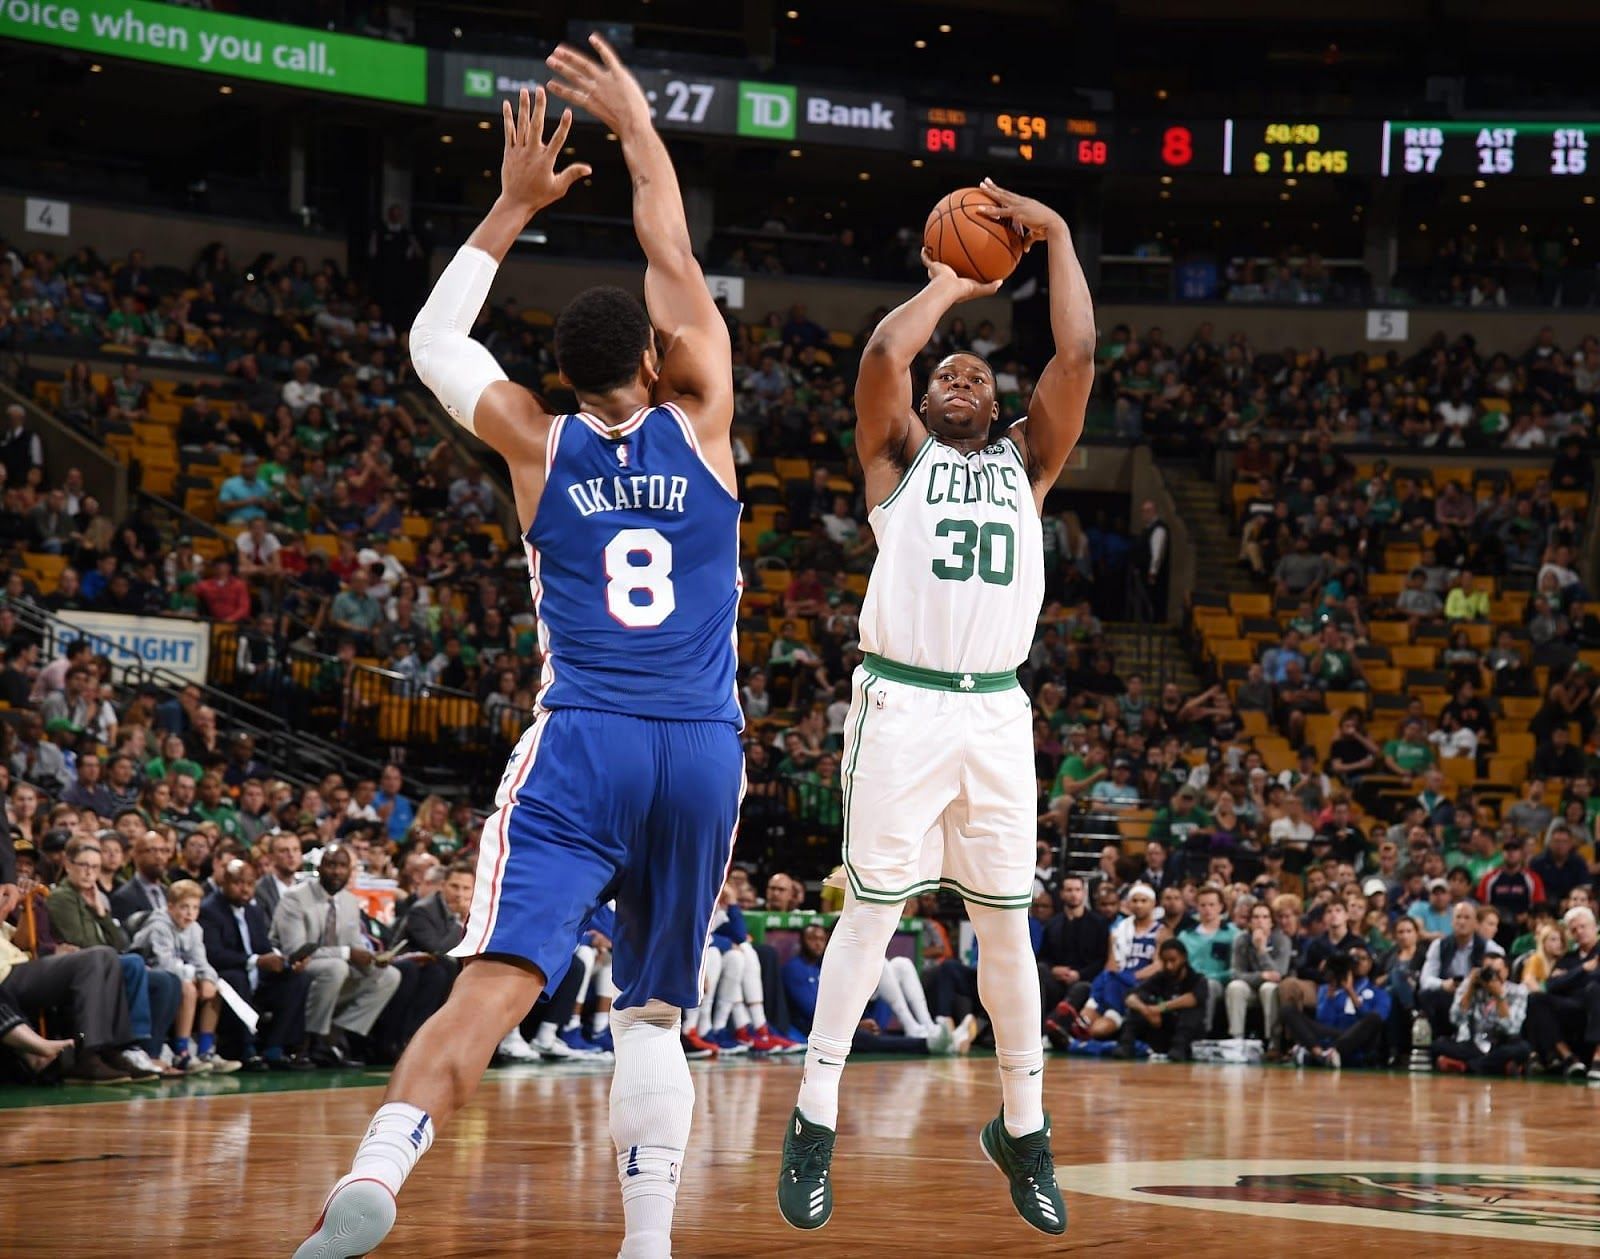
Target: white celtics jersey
<point x="959" y="577"/>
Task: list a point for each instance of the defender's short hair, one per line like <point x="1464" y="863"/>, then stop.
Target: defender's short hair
<point x="599" y="338"/>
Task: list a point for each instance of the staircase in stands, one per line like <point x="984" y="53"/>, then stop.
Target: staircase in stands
<point x="1154" y="651"/>
<point x="1211" y="529"/>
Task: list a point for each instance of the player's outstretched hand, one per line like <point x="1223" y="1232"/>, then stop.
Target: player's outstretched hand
<point x="1030" y="219"/>
<point x="604" y="87"/>
<point x="963" y="289"/>
<point x="528" y="174"/>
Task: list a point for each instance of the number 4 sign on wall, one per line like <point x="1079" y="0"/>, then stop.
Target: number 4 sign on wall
<point x="47" y="218"/>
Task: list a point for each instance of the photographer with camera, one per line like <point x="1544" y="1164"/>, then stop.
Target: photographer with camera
<point x="1488" y="1012"/>
<point x="1351" y="1012"/>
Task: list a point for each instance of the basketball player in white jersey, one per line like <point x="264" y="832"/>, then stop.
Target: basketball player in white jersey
<point x="938" y="770"/>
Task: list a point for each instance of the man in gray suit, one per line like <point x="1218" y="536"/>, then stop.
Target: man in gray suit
<point x="285" y="857"/>
<point x="349" y="986"/>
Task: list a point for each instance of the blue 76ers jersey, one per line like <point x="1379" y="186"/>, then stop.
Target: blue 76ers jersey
<point x="634" y="561"/>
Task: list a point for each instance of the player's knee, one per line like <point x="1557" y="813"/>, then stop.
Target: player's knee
<point x="652" y="1013"/>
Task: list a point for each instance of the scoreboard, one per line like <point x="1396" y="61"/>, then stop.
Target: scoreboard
<point x="1013" y="135"/>
<point x="1486" y="149"/>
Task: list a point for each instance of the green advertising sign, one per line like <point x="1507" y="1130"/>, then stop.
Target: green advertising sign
<point x="216" y="43"/>
<point x="767" y="110"/>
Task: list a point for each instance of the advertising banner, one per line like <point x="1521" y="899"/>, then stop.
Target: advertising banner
<point x="183" y="647"/>
<point x="218" y="43"/>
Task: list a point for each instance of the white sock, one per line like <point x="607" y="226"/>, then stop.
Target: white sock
<point x="851" y="969"/>
<point x="398" y="1136"/>
<point x="600" y="1021"/>
<point x="652" y="1107"/>
<point x="574" y="1022"/>
<point x="758" y="1012"/>
<point x="545" y="1036"/>
<point x="1022" y="1088"/>
<point x="1008" y="986"/>
<point x="819" y="1083"/>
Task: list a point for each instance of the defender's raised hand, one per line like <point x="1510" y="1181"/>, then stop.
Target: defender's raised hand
<point x="605" y="88"/>
<point x="528" y="174"/>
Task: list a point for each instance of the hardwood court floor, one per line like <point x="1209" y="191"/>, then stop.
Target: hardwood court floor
<point x="1322" y="1165"/>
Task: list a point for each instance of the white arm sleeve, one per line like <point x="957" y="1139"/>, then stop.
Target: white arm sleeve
<point x="455" y="367"/>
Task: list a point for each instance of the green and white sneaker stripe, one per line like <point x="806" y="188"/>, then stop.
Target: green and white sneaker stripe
<point x="1031" y="1169"/>
<point x="805" y="1187"/>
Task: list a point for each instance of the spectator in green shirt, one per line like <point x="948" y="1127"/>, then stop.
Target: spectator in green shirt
<point x="1080" y="769"/>
<point x="173" y="760"/>
<point x="1466" y="602"/>
<point x="777" y="541"/>
<point x="1411" y="753"/>
<point x="1333" y="664"/>
<point x="1174" y="824"/>
<point x="215" y="807"/>
<point x="819" y="798"/>
<point x="1210" y="945"/>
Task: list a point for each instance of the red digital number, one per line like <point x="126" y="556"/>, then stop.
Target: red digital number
<point x="939" y="140"/>
<point x="1091" y="152"/>
<point x="1177" y="146"/>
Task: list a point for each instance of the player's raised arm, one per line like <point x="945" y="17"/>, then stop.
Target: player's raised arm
<point x="885" y="423"/>
<point x="461" y="373"/>
<point x="1055" y="415"/>
<point x="697" y="363"/>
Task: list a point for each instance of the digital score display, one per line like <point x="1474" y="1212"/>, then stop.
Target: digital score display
<point x="1014" y="136"/>
<point x="1482" y="150"/>
<point x="1273" y="148"/>
<point x="1299" y="147"/>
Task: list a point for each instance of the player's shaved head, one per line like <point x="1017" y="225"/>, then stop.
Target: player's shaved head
<point x="960" y="402"/>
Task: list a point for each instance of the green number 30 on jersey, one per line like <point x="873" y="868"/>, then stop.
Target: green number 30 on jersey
<point x="989" y="550"/>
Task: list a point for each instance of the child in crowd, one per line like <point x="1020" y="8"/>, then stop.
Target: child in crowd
<point x="173" y="943"/>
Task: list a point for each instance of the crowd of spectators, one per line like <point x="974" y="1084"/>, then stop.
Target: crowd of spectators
<point x="157" y="878"/>
<point x="306" y="403"/>
<point x="1217" y="391"/>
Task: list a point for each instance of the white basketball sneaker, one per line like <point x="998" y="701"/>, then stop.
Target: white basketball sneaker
<point x="357" y="1216"/>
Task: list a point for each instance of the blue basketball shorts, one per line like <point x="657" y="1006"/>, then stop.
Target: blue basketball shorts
<point x="596" y="806"/>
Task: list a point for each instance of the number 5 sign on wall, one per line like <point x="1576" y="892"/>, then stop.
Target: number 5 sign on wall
<point x="1388" y="325"/>
<point x="47" y="218"/>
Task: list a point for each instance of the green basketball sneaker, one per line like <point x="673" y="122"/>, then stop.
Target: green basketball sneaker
<point x="805" y="1193"/>
<point x="1031" y="1168"/>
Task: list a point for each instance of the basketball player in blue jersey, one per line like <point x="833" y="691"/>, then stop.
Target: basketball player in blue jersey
<point x="627" y="785"/>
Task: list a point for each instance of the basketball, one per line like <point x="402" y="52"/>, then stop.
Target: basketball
<point x="972" y="246"/>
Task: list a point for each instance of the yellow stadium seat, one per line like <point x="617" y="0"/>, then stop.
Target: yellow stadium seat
<point x="1414" y="657"/>
<point x="1249" y="604"/>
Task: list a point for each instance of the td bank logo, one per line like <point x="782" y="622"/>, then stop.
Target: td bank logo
<point x="767" y="110"/>
<point x="477" y="83"/>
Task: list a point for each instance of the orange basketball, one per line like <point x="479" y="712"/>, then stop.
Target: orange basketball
<point x="969" y="244"/>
